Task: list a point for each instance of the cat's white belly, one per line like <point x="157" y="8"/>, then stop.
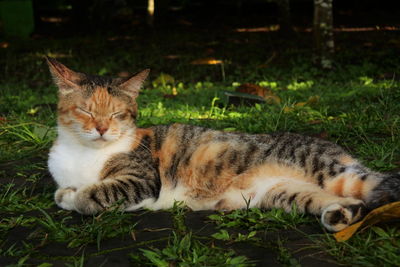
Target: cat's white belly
<point x="234" y="198"/>
<point x="74" y="165"/>
<point x="167" y="198"/>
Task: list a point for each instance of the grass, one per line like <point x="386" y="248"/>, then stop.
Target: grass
<point x="186" y="251"/>
<point x="356" y="105"/>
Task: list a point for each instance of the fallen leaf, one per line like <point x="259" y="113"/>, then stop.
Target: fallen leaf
<point x="287" y="109"/>
<point x="206" y="61"/>
<point x="313" y="99"/>
<point x="301" y="104"/>
<point x="271" y="99"/>
<point x="253" y="89"/>
<point x="239" y="98"/>
<point x="4" y="44"/>
<point x="382" y="214"/>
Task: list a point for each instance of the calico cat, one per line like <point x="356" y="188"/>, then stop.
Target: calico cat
<point x="100" y="157"/>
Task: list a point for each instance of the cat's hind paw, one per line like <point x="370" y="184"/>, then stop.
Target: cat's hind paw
<point x="336" y="217"/>
<point x="65" y="198"/>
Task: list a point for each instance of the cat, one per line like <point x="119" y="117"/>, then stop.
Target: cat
<point x="101" y="158"/>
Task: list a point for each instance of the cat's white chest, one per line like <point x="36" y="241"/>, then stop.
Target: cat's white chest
<point x="75" y="165"/>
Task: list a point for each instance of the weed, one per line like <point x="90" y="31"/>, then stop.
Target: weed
<point x="187" y="251"/>
<point x="93" y="229"/>
<point x="14" y="199"/>
<point x="255" y="219"/>
<point x="373" y="247"/>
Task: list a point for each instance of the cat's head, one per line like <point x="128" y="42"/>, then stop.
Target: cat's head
<point x="97" y="110"/>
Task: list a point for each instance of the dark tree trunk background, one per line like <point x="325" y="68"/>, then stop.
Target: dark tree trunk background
<point x="285" y="21"/>
<point x="323" y="33"/>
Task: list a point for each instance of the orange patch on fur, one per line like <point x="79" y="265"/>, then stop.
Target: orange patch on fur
<point x="273" y="170"/>
<point x="200" y="173"/>
<point x="347" y="160"/>
<point x="337" y="188"/>
<point x="357" y="189"/>
<point x="140" y="133"/>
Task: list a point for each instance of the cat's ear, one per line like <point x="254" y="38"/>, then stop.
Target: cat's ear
<point x="67" y="80"/>
<point x="132" y="85"/>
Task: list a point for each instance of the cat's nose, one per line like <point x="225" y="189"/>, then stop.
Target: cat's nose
<point x="101" y="129"/>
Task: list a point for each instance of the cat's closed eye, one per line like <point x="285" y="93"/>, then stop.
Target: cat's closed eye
<point x="121" y="115"/>
<point x="113" y="115"/>
<point x="84" y="111"/>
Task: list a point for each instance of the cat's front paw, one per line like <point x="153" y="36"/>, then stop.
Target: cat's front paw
<point x="336" y="217"/>
<point x="65" y="198"/>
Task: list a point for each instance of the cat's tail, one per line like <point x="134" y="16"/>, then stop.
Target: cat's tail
<point x="386" y="190"/>
<point x="374" y="188"/>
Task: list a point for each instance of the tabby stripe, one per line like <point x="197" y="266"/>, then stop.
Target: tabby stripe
<point x="277" y="197"/>
<point x="122" y="190"/>
<point x="335" y="153"/>
<point x="220" y="164"/>
<point x="271" y="149"/>
<point x="322" y="148"/>
<point x="114" y="192"/>
<point x="105" y="193"/>
<point x="173" y="168"/>
<point x="218" y="167"/>
<point x="307" y="205"/>
<point x="295" y="148"/>
<point x="202" y="130"/>
<point x="157" y="183"/>
<point x="233" y="157"/>
<point x="159" y="136"/>
<point x="145" y="143"/>
<point x="316" y="163"/>
<point x="154" y="191"/>
<point x="292" y="152"/>
<point x="134" y="185"/>
<point x="282" y="149"/>
<point x="248" y="157"/>
<point x="95" y="199"/>
<point x="126" y="185"/>
<point x="292" y="198"/>
<point x="303" y="158"/>
<point x="187" y="159"/>
<point x="332" y="166"/>
<point x="206" y="167"/>
<point x="114" y="170"/>
<point x="138" y="174"/>
<point x="139" y="190"/>
<point x="321" y="180"/>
